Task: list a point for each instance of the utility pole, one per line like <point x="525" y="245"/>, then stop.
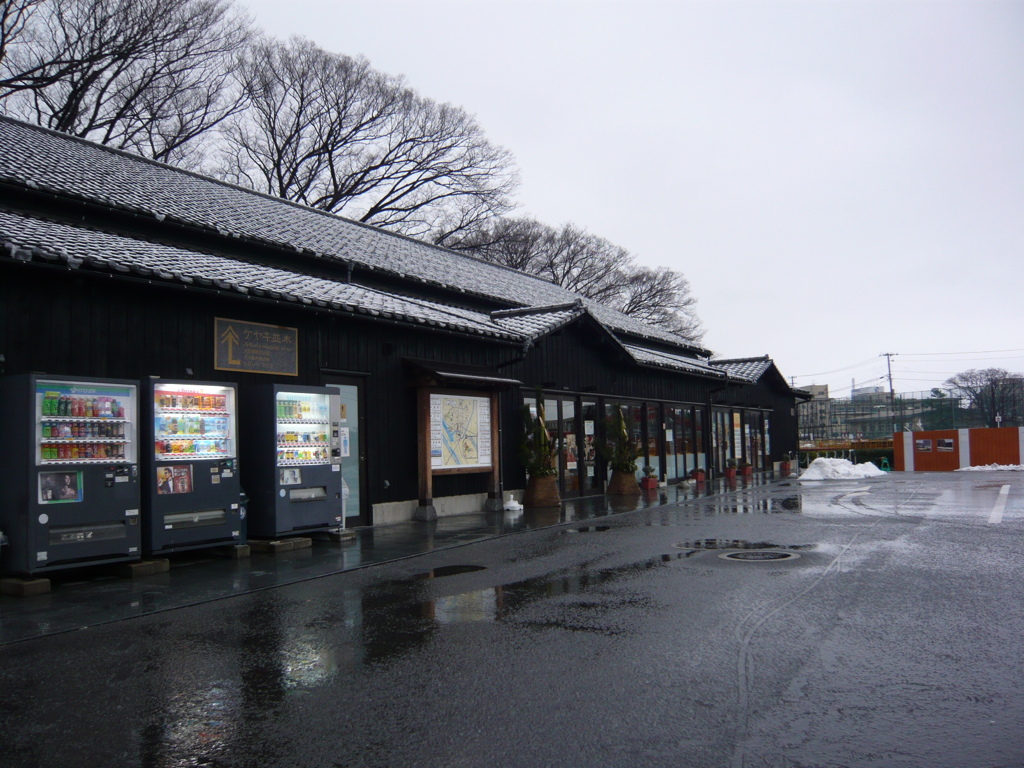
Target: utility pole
<point x="892" y="394"/>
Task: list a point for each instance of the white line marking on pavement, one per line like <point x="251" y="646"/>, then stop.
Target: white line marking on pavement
<point x="997" y="511"/>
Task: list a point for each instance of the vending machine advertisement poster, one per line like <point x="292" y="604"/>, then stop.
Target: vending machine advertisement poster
<point x="60" y="487"/>
<point x="176" y="478"/>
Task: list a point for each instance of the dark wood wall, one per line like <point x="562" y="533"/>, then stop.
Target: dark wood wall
<point x="77" y="323"/>
<point x="83" y="323"/>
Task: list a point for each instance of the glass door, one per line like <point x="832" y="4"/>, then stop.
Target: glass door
<point x="590" y="478"/>
<point x="353" y="458"/>
<point x="570" y="461"/>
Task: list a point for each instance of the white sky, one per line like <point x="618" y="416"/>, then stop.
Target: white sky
<point x="836" y="179"/>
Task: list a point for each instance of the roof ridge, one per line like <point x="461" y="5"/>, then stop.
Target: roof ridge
<point x="537" y="310"/>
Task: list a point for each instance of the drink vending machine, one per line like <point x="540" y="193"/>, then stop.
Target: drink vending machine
<point x="190" y="485"/>
<point x="71" y="495"/>
<point x="292" y="456"/>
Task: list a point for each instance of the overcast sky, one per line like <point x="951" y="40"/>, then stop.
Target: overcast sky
<point x="837" y="180"/>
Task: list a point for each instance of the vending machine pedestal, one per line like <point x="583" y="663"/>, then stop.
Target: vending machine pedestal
<point x="72" y="497"/>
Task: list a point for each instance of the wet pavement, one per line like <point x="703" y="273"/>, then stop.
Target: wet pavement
<point x="88" y="597"/>
<point x="866" y="623"/>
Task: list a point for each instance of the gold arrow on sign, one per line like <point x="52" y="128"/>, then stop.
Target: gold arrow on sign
<point x="231" y="338"/>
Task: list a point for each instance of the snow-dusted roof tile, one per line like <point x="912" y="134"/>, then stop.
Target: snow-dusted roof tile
<point x="29" y="238"/>
<point x="53" y="162"/>
<point x="751" y="368"/>
<point x="647" y="356"/>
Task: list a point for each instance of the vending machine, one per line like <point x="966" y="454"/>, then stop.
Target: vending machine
<point x="292" y="459"/>
<point x="190" y="487"/>
<point x="71" y="493"/>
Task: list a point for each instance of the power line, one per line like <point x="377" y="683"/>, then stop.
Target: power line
<point x="837" y="370"/>
<point x="981" y="352"/>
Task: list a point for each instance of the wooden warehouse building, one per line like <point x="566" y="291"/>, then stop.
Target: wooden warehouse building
<point x="113" y="266"/>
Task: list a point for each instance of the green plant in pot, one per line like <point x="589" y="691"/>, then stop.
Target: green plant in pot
<point x="730" y="468"/>
<point x="621" y="454"/>
<point x="745" y="467"/>
<point x="539" y="454"/>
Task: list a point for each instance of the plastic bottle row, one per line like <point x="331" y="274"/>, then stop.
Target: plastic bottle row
<point x="306" y="410"/>
<point x="283" y="438"/>
<point x="56" y="404"/>
<point x="312" y="455"/>
<point x="192" y="425"/>
<point x="71" y="430"/>
<point x="196" y="447"/>
<point x="85" y="451"/>
<point x="191" y="401"/>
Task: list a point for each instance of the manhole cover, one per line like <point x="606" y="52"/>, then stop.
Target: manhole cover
<point x="759" y="555"/>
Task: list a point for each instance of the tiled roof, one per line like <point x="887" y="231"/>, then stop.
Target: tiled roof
<point x="535" y="322"/>
<point x="751" y="368"/>
<point x="26" y="239"/>
<point x="647" y="356"/>
<point x="46" y="160"/>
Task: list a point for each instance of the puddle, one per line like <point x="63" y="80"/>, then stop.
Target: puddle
<point x="397" y="616"/>
<point x="586" y="529"/>
<point x="452" y="570"/>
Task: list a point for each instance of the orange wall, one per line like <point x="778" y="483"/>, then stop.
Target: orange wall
<point x="987" y="446"/>
<point x="995" y="446"/>
<point x="897" y="452"/>
<point x="936" y="460"/>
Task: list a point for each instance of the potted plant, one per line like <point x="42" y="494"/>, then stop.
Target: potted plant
<point x="698" y="474"/>
<point x="745" y="467"/>
<point x="539" y="454"/>
<point x="621" y="455"/>
<point x="650" y="479"/>
<point x="785" y="466"/>
<point x="730" y="469"/>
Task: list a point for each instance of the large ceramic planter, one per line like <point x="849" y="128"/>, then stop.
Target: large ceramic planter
<point x="542" y="492"/>
<point x="646" y="483"/>
<point x="730" y="473"/>
<point x="747" y="471"/>
<point x="622" y="484"/>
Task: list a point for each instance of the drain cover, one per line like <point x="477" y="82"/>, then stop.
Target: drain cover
<point x="759" y="555"/>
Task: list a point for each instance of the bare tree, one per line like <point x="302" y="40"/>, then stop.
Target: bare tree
<point x="519" y="243"/>
<point x="590" y="266"/>
<point x="661" y="297"/>
<point x="992" y="392"/>
<point x="329" y="131"/>
<point x="586" y="264"/>
<point x="14" y="18"/>
<point x="151" y="76"/>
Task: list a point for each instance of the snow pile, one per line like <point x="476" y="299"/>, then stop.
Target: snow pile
<point x="993" y="468"/>
<point x="839" y="469"/>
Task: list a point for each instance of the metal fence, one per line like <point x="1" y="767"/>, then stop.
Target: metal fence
<point x="878" y="415"/>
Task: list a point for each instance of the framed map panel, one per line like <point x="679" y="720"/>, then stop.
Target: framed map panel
<point x="460" y="432"/>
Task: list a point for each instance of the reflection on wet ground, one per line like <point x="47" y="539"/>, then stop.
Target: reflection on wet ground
<point x="399" y="615"/>
<point x="94" y="596"/>
<point x="691" y="548"/>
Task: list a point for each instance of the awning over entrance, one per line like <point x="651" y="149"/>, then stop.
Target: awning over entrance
<point x="433" y="374"/>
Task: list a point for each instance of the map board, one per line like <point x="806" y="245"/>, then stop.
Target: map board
<point x="460" y="432"/>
